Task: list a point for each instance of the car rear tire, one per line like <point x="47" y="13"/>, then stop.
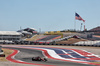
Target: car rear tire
<point x="33" y="59"/>
<point x="45" y="59"/>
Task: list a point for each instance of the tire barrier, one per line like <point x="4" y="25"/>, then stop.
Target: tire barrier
<point x="52" y="43"/>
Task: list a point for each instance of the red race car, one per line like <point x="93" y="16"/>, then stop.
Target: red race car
<point x="39" y="59"/>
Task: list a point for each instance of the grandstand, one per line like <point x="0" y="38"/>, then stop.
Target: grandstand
<point x="8" y="36"/>
<point x="95" y="30"/>
<point x="28" y="32"/>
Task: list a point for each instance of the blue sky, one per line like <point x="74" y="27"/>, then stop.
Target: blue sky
<point x="49" y="15"/>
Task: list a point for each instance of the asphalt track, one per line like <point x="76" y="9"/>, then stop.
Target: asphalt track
<point x="48" y="37"/>
<point x="27" y="54"/>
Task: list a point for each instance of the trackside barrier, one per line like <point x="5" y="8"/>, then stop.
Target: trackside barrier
<point x="81" y="43"/>
<point x="89" y="43"/>
<point x="1" y="52"/>
<point x="65" y="38"/>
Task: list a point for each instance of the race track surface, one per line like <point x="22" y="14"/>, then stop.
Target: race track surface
<point x="27" y="54"/>
<point x="48" y="37"/>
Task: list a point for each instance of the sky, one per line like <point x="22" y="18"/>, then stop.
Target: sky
<point x="48" y="15"/>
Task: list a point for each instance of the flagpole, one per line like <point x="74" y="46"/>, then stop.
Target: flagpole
<point x="81" y="27"/>
<point x="74" y="25"/>
<point x="78" y="17"/>
<point x="84" y="26"/>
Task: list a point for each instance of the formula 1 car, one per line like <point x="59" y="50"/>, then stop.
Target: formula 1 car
<point x="39" y="59"/>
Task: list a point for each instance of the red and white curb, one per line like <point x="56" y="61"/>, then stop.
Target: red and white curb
<point x="48" y="53"/>
<point x="12" y="59"/>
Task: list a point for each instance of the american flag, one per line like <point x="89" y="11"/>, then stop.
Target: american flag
<point x="78" y="17"/>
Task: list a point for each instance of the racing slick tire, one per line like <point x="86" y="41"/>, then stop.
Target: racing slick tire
<point x="45" y="59"/>
<point x="33" y="59"/>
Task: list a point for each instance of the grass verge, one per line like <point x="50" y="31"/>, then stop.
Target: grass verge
<point x="6" y="52"/>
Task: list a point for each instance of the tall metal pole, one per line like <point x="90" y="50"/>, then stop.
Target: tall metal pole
<point x="75" y="25"/>
<point x="39" y="30"/>
<point x="75" y="22"/>
<point x="20" y="27"/>
<point x="81" y="27"/>
<point x="84" y="26"/>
